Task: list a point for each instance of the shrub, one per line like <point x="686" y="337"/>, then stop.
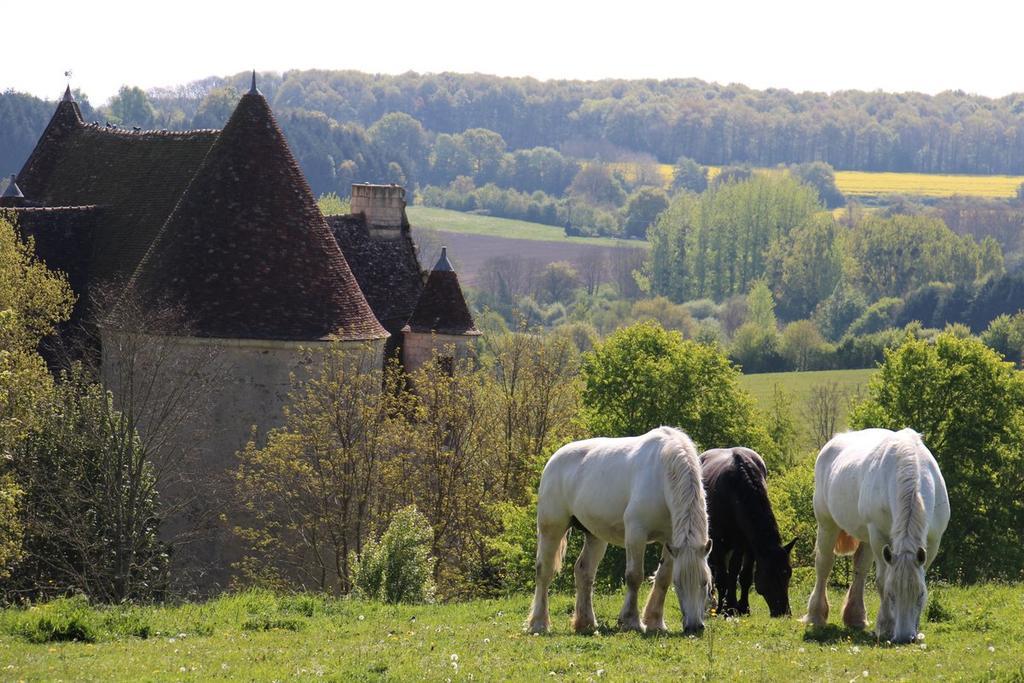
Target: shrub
<point x="643" y="376"/>
<point x="792" y="496"/>
<point x="878" y="316"/>
<point x="756" y="349"/>
<point x="61" y="620"/>
<point x="398" y="567"/>
<point x="969" y="407"/>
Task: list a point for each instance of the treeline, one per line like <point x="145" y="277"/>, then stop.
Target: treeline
<point x="952" y="132"/>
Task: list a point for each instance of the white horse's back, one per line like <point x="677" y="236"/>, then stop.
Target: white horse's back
<point x="865" y="478"/>
<point x="602" y="481"/>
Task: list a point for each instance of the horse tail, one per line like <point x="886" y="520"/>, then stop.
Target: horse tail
<point x="563" y="545"/>
<point x="845" y="544"/>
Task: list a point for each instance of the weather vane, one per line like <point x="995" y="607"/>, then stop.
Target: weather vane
<point x="67" y="75"/>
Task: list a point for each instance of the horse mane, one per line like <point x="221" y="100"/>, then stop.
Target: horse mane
<point x="909" y="523"/>
<point x="684" y="489"/>
<point x="760" y="520"/>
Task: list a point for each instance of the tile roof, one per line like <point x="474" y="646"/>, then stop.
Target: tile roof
<point x="137" y="176"/>
<point x="441" y="307"/>
<point x="247" y="253"/>
<point x="388" y="270"/>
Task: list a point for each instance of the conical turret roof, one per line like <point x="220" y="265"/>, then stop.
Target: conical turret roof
<point x="12" y="191"/>
<point x="442" y="307"/>
<point x="247" y="253"/>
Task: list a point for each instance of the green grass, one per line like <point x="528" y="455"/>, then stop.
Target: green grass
<point x="343" y="640"/>
<point x="797" y="386"/>
<point x="476" y="224"/>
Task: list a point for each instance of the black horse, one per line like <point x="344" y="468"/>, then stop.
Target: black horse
<point x="746" y="542"/>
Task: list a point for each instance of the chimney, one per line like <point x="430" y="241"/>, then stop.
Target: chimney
<point x="383" y="207"/>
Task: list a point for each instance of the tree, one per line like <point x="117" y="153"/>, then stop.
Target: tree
<point x="533" y="386"/>
<point x="968" y="406"/>
<point x="643" y="376"/>
<point x="91" y="510"/>
<point x="132" y="107"/>
<point x="402" y="140"/>
<point x="822" y="178"/>
<point x="889" y="256"/>
<point x="486" y="151"/>
<point x="595" y="183"/>
<point x="756" y="348"/>
<point x="314" y="493"/>
<point x="688" y="175"/>
<point x="556" y="282"/>
<point x="761" y="306"/>
<point x="803" y="347"/>
<point x="33" y="301"/>
<point x="642" y="209"/>
<point x="805" y="266"/>
<point x="215" y="108"/>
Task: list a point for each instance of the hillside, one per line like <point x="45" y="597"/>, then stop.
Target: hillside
<point x="472" y="239"/>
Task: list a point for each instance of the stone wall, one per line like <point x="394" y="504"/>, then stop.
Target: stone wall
<point x="383" y="206"/>
<point x="216" y="391"/>
<point x="418" y="347"/>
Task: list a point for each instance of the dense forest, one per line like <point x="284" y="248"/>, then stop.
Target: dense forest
<point x="330" y="117"/>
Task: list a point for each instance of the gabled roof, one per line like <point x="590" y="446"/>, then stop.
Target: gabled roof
<point x="441" y="307"/>
<point x="137" y="176"/>
<point x="387" y="270"/>
<point x="247" y="253"/>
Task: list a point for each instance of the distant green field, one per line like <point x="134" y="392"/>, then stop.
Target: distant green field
<point x="476" y="224"/>
<point x="796" y="386"/>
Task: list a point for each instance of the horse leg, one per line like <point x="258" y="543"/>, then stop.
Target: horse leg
<point x="746" y="578"/>
<point x="583" y="619"/>
<point x="732" y="577"/>
<point x="654" y="610"/>
<point x="636" y="542"/>
<point x="718" y="562"/>
<point x="550" y="546"/>
<point x="884" y="622"/>
<point x="824" y="558"/>
<point x="854" y="614"/>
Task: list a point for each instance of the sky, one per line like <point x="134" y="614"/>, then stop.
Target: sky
<point x="822" y="45"/>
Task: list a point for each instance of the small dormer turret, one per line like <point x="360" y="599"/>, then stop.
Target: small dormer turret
<point x="12" y="195"/>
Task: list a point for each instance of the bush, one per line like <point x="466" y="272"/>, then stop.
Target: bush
<point x="756" y="349"/>
<point x="61" y="620"/>
<point x="878" y="316"/>
<point x="10" y="524"/>
<point x="643" y="376"/>
<point x="969" y="407"/>
<point x="792" y="497"/>
<point x="398" y="567"/>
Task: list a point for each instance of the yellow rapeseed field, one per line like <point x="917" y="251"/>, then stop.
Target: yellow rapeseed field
<point x="874" y="184"/>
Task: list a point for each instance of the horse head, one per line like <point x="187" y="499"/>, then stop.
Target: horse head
<point x="903" y="595"/>
<point x="772" y="572"/>
<point x="691" y="576"/>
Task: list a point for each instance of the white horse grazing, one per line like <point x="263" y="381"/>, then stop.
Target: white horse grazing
<point x="878" y="493"/>
<point x="629" y="491"/>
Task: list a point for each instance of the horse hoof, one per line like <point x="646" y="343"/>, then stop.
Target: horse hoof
<point x="631" y="625"/>
<point x="584" y="628"/>
<point x="537" y="628"/>
<point x="657" y="627"/>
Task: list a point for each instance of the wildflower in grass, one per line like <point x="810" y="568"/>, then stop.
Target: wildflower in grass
<point x="864" y="673"/>
<point x="924" y="646"/>
<point x="600" y="673"/>
<point x="360" y="617"/>
<point x="486" y="641"/>
<point x="454" y="657"/>
<point x="991" y="648"/>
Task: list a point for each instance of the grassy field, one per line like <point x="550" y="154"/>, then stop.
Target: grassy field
<point x="475" y="224"/>
<point x="875" y="184"/>
<point x="796" y="387"/>
<point x="974" y="633"/>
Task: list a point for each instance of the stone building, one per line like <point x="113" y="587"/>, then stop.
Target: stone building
<point x="213" y="239"/>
